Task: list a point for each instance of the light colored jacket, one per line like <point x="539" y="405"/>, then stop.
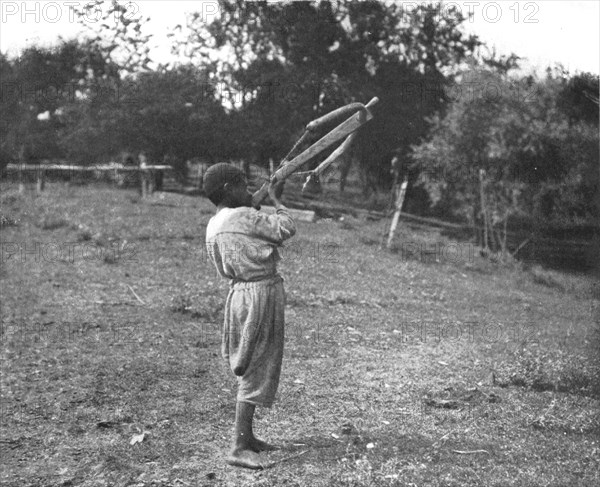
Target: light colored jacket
<point x="242" y="242"/>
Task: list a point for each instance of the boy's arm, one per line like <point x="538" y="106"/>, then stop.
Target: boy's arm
<point x="275" y="228"/>
<point x="278" y="227"/>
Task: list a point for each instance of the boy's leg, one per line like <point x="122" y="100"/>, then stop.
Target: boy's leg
<point x="274" y="337"/>
<point x="243" y="453"/>
<point x="262" y="379"/>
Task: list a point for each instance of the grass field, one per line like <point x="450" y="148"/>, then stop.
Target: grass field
<point x="433" y="368"/>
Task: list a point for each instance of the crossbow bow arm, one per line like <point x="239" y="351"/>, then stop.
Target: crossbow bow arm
<point x="361" y="115"/>
<point x="346" y="110"/>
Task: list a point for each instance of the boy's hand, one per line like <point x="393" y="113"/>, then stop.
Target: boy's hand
<point x="275" y="191"/>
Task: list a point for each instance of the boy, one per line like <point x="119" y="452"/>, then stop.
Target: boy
<point x="242" y="243"/>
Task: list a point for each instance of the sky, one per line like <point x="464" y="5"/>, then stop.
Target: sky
<point x="545" y="32"/>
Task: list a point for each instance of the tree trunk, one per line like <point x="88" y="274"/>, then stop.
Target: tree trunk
<point x="345" y="169"/>
<point x="246" y="167"/>
<point x="483" y="210"/>
<point x="21" y="164"/>
<point x="364" y="180"/>
<point x="504" y="236"/>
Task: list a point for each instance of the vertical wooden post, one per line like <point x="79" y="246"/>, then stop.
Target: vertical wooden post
<point x="394" y="196"/>
<point x="39" y="183"/>
<point x="246" y="166"/>
<point x="151" y="178"/>
<point x="142" y="163"/>
<point x="20" y="178"/>
<point x="483" y="209"/>
<point x="20" y="170"/>
<point x="399" y="203"/>
<point x="143" y="181"/>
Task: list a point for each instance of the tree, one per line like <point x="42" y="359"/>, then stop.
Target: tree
<point x="166" y="114"/>
<point x="328" y="55"/>
<point x="508" y="148"/>
<point x="163" y="112"/>
<point x="578" y="98"/>
<point x="37" y="86"/>
<point x="117" y="34"/>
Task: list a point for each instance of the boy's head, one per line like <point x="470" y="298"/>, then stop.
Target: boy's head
<point x="225" y="185"/>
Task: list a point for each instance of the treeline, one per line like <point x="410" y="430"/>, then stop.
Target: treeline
<point x="257" y="72"/>
<point x="514" y="153"/>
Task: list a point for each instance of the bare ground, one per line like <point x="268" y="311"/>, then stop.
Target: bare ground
<point x="425" y="368"/>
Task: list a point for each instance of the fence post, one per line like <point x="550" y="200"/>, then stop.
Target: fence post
<point x="399" y="203"/>
<point x="20" y="168"/>
<point x="483" y="209"/>
<point x="20" y="177"/>
<point x="39" y="184"/>
<point x="143" y="182"/>
<point x="151" y="181"/>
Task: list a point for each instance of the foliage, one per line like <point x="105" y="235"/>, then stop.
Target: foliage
<point x="269" y="69"/>
<point x="260" y="71"/>
<point x="57" y="101"/>
<point x="162" y="113"/>
<point x="36" y="87"/>
<point x="531" y="156"/>
<point x="117" y="33"/>
<point x="289" y="63"/>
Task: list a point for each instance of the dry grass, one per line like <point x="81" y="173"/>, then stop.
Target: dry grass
<point x="400" y="369"/>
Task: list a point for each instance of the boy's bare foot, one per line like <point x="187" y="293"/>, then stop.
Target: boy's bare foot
<point x="260" y="445"/>
<point x="245" y="459"/>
